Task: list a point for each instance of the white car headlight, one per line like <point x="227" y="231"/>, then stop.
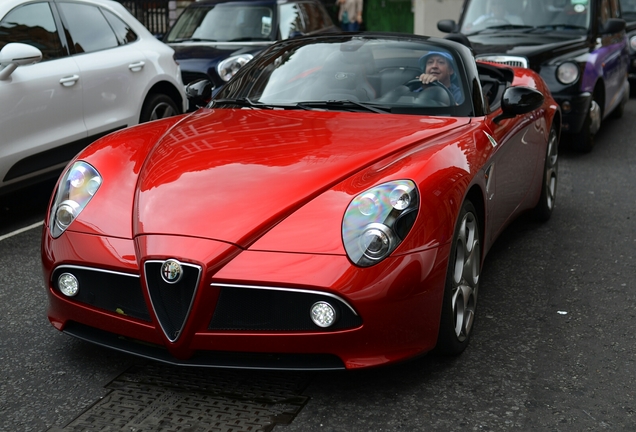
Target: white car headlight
<point x="632" y="42"/>
<point x="377" y="221"/>
<point x="77" y="187"/>
<point x="228" y="67"/>
<point x="567" y="73"/>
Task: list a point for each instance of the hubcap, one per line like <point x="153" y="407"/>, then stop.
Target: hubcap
<point x="595" y="117"/>
<point x="551" y="169"/>
<point x="162" y="110"/>
<point x="466" y="276"/>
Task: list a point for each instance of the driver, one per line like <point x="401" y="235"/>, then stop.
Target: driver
<point x="439" y="66"/>
<point x="498" y="12"/>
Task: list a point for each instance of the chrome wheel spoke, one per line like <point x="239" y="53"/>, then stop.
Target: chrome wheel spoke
<point x="466" y="276"/>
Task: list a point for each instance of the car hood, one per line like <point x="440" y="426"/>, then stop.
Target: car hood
<point x="232" y="175"/>
<point x="214" y="52"/>
<point x="537" y="48"/>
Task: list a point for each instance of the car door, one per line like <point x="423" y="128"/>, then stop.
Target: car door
<point x="41" y="104"/>
<point x="611" y="54"/>
<point x="516" y="143"/>
<point x="114" y="72"/>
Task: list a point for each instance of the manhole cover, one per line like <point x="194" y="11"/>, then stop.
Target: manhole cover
<point x="157" y="397"/>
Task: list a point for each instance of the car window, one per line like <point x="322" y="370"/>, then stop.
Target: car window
<point x="224" y="23"/>
<point x="88" y="28"/>
<point x="32" y="24"/>
<point x="333" y="74"/>
<point x="315" y="18"/>
<point x="124" y="33"/>
<point x="291" y="20"/>
<point x="565" y="15"/>
<point x="605" y="12"/>
<point x="628" y="9"/>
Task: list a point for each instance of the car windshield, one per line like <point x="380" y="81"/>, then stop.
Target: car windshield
<point x="351" y="74"/>
<point x="224" y="23"/>
<point x="628" y="7"/>
<point x="526" y="15"/>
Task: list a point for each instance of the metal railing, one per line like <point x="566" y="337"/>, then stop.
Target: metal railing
<point x="153" y="14"/>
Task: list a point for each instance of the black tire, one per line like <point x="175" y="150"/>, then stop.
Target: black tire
<point x="620" y="109"/>
<point x="545" y="206"/>
<point x="583" y="141"/>
<point x="462" y="283"/>
<point x="157" y="106"/>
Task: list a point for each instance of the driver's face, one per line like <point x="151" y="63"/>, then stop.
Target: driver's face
<point x="440" y="67"/>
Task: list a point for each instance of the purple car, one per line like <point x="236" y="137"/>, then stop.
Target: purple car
<point x="579" y="47"/>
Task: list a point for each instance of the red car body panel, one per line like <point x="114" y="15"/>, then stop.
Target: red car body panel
<point x="257" y="198"/>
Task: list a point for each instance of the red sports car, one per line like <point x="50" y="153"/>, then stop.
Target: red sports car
<point x="330" y="208"/>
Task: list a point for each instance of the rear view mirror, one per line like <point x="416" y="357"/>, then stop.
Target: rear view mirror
<point x="17" y="54"/>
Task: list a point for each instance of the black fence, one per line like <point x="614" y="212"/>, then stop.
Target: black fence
<point x="154" y="14"/>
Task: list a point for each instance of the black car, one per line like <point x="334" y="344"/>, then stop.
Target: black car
<point x="214" y="38"/>
<point x="628" y="8"/>
<point x="578" y="46"/>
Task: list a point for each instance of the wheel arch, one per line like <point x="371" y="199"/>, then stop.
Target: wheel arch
<point x="163" y="87"/>
<point x="476" y="195"/>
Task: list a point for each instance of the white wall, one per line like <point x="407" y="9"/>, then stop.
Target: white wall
<point x="428" y="12"/>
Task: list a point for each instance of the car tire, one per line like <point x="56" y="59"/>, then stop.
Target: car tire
<point x="462" y="283"/>
<point x="157" y="106"/>
<point x="583" y="141"/>
<point x="545" y="206"/>
<point x="620" y="108"/>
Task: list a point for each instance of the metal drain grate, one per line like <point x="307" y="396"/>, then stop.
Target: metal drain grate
<point x="155" y="397"/>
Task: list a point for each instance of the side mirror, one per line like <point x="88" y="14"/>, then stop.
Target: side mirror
<point x="199" y="93"/>
<point x="614" y="25"/>
<point x="519" y="100"/>
<point x="17" y="54"/>
<point x="446" y="26"/>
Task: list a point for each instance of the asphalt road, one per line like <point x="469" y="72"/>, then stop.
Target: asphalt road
<point x="553" y="349"/>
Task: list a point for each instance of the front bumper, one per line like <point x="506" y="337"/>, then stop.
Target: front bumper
<point x="394" y="306"/>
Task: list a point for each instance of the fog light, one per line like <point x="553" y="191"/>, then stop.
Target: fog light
<point x="68" y="284"/>
<point x="323" y="314"/>
<point x="566" y="106"/>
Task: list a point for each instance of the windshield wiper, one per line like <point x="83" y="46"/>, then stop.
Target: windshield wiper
<point x="249" y="39"/>
<point x="559" y="26"/>
<point x="340" y="104"/>
<point x="502" y="27"/>
<point x="192" y="40"/>
<point x="242" y="102"/>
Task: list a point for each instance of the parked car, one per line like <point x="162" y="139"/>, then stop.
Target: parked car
<point x="628" y="9"/>
<point x="214" y="38"/>
<point x="70" y="72"/>
<point x="327" y="211"/>
<point x="577" y="46"/>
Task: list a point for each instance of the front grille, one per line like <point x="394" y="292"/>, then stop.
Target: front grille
<point x="172" y="302"/>
<point x="113" y="291"/>
<point x="514" y="61"/>
<point x="275" y="309"/>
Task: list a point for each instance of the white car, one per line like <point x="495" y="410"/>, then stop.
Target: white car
<point x="71" y="72"/>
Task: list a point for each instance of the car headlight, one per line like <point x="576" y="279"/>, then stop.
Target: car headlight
<point x="77" y="187"/>
<point x="377" y="221"/>
<point x="228" y="67"/>
<point x="632" y="43"/>
<point x="567" y="73"/>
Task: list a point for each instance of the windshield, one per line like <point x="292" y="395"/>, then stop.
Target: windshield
<point x="354" y="74"/>
<point x="569" y="15"/>
<point x="224" y="23"/>
<point x="628" y="7"/>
